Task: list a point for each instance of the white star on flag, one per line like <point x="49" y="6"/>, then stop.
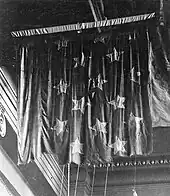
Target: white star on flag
<point x="114" y="56"/>
<point x="99" y="126"/>
<point x="110" y="56"/>
<point x="113" y="102"/>
<point x="77" y="147"/>
<point x="77" y="61"/>
<point x="60" y="126"/>
<point x="120" y="102"/>
<point x="119" y="145"/>
<point x="99" y="39"/>
<point x="62" y="87"/>
<point x="135" y="75"/>
<point x="79" y="104"/>
<point x="91" y="83"/>
<point x="138" y="119"/>
<point x="100" y="82"/>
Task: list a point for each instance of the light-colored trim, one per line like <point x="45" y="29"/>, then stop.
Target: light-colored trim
<point x="8" y="186"/>
<point x="83" y="26"/>
<point x="47" y="163"/>
<point x="52" y="172"/>
<point x="13" y="174"/>
<point x="8" y="99"/>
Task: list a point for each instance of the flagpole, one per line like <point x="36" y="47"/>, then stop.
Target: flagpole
<point x="139" y="111"/>
<point x="68" y="181"/>
<point x="61" y="187"/>
<point x="105" y="188"/>
<point x="69" y="166"/>
<point x="150" y="72"/>
<point x="70" y="155"/>
<point x="92" y="187"/>
<point x="134" y="184"/>
<point x="139" y="75"/>
<point x="122" y="110"/>
<point x="78" y="170"/>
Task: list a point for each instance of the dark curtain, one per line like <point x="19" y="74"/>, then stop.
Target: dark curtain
<point x="86" y="101"/>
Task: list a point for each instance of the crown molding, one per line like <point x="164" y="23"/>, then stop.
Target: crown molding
<point x="7" y="185"/>
<point x="13" y="174"/>
<point x="140" y="162"/>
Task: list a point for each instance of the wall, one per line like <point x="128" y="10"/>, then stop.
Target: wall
<point x="31" y="172"/>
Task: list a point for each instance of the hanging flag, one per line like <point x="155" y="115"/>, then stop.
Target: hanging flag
<point x="60" y="128"/>
<point x="100" y="117"/>
<point x="88" y="105"/>
<point x="119" y="146"/>
<point x="77" y="112"/>
<point x="138" y="124"/>
<point x="159" y="90"/>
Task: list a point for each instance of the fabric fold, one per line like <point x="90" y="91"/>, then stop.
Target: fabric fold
<point x="89" y="102"/>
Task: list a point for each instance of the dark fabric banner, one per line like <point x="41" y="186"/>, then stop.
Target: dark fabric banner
<point x="86" y="101"/>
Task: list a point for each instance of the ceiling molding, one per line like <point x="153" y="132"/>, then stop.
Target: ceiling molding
<point x="145" y="162"/>
<point x="7" y="185"/>
<point x="13" y="174"/>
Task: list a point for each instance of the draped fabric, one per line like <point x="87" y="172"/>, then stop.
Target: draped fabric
<point x="159" y="80"/>
<point x="85" y="101"/>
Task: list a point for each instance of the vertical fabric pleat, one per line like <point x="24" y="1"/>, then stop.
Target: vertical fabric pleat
<point x="89" y="102"/>
<point x="159" y="81"/>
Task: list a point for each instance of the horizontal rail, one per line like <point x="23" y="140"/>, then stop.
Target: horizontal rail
<point x="82" y="26"/>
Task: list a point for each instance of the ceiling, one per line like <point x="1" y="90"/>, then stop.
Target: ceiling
<point x="25" y="14"/>
<point x="22" y="14"/>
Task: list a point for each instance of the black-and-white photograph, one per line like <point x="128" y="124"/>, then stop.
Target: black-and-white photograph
<point x="84" y="97"/>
